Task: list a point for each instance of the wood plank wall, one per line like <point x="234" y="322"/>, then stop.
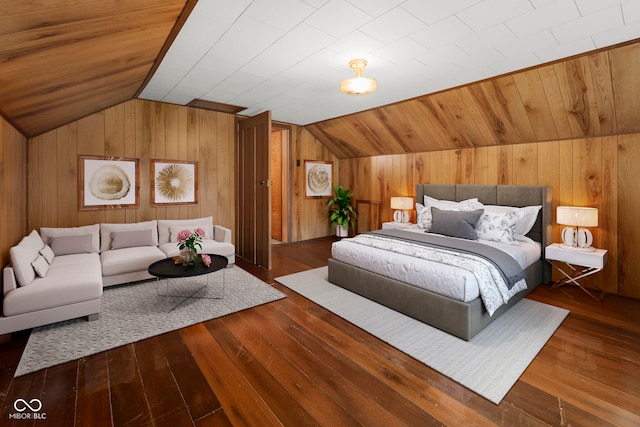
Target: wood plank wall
<point x="140" y="129"/>
<point x="13" y="185"/>
<point x="599" y="172"/>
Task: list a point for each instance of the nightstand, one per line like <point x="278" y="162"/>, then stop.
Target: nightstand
<point x="575" y="265"/>
<point x="397" y="225"/>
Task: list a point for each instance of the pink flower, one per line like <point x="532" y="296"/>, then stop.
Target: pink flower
<point x="183" y="236"/>
<point x="206" y="260"/>
<point x="200" y="232"/>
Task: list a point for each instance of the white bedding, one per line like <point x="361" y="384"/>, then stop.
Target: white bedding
<point x="450" y="281"/>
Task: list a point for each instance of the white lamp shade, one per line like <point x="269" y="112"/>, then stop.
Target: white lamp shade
<point x="402" y="203"/>
<point x="577" y="216"/>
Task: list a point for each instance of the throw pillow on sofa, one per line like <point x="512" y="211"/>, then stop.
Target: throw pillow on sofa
<point x="131" y="239"/>
<point x="41" y="266"/>
<point x="23" y="254"/>
<point x="47" y="253"/>
<point x="67" y="245"/>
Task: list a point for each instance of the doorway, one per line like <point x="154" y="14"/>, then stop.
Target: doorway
<point x="280" y="183"/>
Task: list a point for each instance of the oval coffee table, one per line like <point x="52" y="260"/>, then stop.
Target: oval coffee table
<point x="168" y="269"/>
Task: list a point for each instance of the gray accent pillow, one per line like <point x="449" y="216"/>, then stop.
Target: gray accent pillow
<point x="455" y="223"/>
<point x="131" y="239"/>
<point x="65" y="245"/>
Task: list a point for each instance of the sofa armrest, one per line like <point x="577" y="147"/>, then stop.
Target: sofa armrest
<point x="221" y="234"/>
<point x="9" y="282"/>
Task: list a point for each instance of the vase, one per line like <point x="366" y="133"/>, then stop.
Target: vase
<point x="187" y="256"/>
<point x="342" y="231"/>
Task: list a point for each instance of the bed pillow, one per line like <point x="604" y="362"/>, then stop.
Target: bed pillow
<point x="423" y="212"/>
<point x="66" y="245"/>
<point x="455" y="223"/>
<point x="131" y="239"/>
<point x="498" y="226"/>
<point x="527" y="216"/>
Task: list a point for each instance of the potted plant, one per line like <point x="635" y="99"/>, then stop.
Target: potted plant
<point x="341" y="212"/>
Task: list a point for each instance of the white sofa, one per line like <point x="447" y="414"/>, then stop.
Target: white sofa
<point x="85" y="259"/>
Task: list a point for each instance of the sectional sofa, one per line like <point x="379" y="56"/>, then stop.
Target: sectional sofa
<point x="59" y="273"/>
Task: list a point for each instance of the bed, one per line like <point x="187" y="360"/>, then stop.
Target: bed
<point x="455" y="316"/>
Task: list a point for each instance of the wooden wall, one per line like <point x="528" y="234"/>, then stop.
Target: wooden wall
<point x="13" y="185"/>
<point x="599" y="172"/>
<point x="308" y="216"/>
<point x="139" y="129"/>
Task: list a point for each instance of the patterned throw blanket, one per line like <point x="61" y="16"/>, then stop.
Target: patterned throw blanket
<point x="499" y="276"/>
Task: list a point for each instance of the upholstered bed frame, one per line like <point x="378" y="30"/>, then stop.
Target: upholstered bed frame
<point x="462" y="319"/>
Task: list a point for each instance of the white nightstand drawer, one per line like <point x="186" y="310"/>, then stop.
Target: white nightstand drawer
<point x="596" y="258"/>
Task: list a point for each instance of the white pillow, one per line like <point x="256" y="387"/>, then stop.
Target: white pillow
<point x="41" y="266"/>
<point x="23" y="254"/>
<point x="47" y="253"/>
<point x="498" y="226"/>
<point x="423" y="216"/>
<point x="526" y="216"/>
<point x="94" y="230"/>
<point x="107" y="231"/>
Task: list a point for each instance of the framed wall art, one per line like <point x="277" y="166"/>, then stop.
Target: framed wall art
<point x="317" y="178"/>
<point x="174" y="182"/>
<point x="107" y="182"/>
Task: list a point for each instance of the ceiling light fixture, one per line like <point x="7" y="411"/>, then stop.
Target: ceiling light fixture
<point x="358" y="85"/>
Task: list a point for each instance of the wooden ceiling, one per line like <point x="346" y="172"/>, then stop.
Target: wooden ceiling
<point x="61" y="60"/>
<point x="591" y="95"/>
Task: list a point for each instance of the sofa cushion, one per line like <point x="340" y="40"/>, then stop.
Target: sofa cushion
<point x="94" y="230"/>
<point x="23" y="254"/>
<point x="208" y="247"/>
<point x="41" y="266"/>
<point x="47" y="253"/>
<point x="70" y="279"/>
<point x="127" y="260"/>
<point x="131" y="239"/>
<point x="66" y="245"/>
<point x="164" y="226"/>
<point x="106" y="231"/>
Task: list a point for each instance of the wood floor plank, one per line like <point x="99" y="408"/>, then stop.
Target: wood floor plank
<point x="93" y="404"/>
<point x="59" y="395"/>
<point x="166" y="405"/>
<point x="128" y="401"/>
<point x="26" y="387"/>
<point x="243" y="405"/>
<point x="195" y="390"/>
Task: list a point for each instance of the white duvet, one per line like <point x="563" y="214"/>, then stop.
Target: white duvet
<point x="441" y="273"/>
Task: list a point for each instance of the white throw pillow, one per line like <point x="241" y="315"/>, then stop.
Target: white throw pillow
<point x="23" y="254"/>
<point x="41" y="266"/>
<point x="47" y="253"/>
<point x="423" y="216"/>
<point x="498" y="226"/>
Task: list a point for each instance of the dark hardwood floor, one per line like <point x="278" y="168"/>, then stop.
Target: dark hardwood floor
<point x="293" y="363"/>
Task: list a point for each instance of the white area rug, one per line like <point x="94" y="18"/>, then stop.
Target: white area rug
<point x="134" y="312"/>
<point x="489" y="364"/>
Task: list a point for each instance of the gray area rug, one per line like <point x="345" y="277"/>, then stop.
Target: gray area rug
<point x="133" y="312"/>
<point x="489" y="364"/>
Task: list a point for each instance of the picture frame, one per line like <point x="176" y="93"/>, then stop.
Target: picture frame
<point x="108" y="182"/>
<point x="174" y="182"/>
<point x="318" y="177"/>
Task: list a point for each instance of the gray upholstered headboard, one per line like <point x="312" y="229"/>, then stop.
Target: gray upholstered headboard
<point x="504" y="195"/>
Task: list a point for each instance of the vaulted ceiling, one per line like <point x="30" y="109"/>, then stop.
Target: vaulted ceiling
<point x="62" y="60"/>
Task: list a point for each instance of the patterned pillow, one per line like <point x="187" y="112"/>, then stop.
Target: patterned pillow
<point x="498" y="226"/>
<point x="423" y="215"/>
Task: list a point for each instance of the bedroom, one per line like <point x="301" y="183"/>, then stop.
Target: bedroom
<point x="596" y="166"/>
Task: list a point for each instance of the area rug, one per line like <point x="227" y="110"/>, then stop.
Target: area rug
<point x="133" y="312"/>
<point x="489" y="364"/>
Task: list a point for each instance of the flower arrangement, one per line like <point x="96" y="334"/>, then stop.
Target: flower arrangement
<point x="190" y="240"/>
<point x="206" y="260"/>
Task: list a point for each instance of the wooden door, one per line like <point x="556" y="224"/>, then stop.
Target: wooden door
<point x="254" y="198"/>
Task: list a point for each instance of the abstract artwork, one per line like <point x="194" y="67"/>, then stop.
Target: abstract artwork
<point x="107" y="182"/>
<point x="317" y="178"/>
<point x="174" y="182"/>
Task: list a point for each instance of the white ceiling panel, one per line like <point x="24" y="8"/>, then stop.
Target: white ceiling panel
<point x="290" y="55"/>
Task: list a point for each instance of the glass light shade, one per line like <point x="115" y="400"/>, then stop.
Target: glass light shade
<point x="358" y="85"/>
<point x="577" y="216"/>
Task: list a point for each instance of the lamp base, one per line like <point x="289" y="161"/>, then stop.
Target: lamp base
<point x="401" y="217"/>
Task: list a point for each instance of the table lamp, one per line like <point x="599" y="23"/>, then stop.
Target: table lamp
<point x="401" y="206"/>
<point x="576" y="237"/>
